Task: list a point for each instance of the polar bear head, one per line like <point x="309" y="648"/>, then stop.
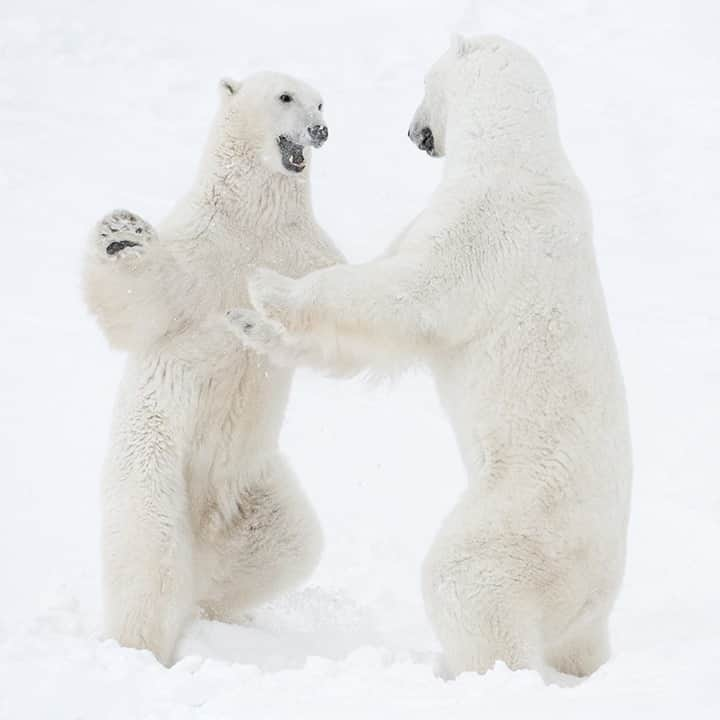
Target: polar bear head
<point x="278" y="116"/>
<point x="484" y="90"/>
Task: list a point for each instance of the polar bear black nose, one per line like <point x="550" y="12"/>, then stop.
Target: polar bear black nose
<point x="318" y="134"/>
<point x="422" y="137"/>
<point x="426" y="141"/>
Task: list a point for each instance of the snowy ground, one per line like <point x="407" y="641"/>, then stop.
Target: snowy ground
<point x="108" y="104"/>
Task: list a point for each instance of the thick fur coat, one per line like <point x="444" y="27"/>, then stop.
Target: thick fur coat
<point x="494" y="286"/>
<point x="199" y="508"/>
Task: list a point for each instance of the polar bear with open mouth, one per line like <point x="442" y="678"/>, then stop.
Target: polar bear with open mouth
<point x="495" y="287"/>
<point x="199" y="508"/>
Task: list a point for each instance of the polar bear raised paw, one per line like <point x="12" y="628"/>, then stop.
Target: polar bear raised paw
<point x="123" y="234"/>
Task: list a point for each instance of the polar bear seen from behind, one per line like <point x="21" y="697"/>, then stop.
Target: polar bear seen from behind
<point x="199" y="508"/>
<point x="495" y="286"/>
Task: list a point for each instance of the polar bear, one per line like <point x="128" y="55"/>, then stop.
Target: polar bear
<point x="199" y="508"/>
<point x="495" y="287"/>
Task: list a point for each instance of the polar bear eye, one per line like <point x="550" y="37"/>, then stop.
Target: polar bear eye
<point x="285" y="98"/>
<point x="320" y="106"/>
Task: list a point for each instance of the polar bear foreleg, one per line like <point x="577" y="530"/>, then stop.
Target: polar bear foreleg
<point x="350" y="316"/>
<point x="268" y="337"/>
<point x="126" y="279"/>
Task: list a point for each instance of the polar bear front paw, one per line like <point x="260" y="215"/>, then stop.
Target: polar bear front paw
<point x="275" y="296"/>
<point x="254" y="329"/>
<point x="122" y="234"/>
<point x="256" y="332"/>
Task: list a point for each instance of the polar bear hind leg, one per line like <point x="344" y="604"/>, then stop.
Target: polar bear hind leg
<point x="271" y="544"/>
<point x="583" y="649"/>
<point x="477" y="627"/>
<point x="147" y="540"/>
<point x="480" y="600"/>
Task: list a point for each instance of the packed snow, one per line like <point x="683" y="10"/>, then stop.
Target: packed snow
<point x="107" y="105"/>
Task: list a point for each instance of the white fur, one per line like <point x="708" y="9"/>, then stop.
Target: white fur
<point x="494" y="286"/>
<point x="198" y="506"/>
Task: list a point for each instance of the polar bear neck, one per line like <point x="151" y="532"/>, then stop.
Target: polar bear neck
<point x="491" y="133"/>
<point x="235" y="183"/>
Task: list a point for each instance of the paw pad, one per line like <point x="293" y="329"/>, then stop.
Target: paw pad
<point x="121" y="230"/>
<point x="118" y="245"/>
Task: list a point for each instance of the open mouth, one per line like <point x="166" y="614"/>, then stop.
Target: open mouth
<point x="291" y="154"/>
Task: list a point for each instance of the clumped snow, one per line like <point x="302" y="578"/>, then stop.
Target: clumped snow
<point x="108" y="104"/>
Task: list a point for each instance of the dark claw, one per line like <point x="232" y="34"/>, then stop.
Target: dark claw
<point x="138" y="231"/>
<point x="117" y="246"/>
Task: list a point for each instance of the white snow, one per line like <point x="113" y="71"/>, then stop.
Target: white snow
<point x="108" y="104"/>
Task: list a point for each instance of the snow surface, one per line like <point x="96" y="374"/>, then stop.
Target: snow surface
<point x="108" y="104"/>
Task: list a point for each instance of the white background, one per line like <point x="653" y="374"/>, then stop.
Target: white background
<point x="108" y="104"/>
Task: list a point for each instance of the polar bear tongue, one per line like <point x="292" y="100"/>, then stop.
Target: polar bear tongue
<point x="292" y="154"/>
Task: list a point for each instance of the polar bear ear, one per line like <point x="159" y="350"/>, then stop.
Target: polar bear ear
<point x="460" y="45"/>
<point x="228" y="86"/>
